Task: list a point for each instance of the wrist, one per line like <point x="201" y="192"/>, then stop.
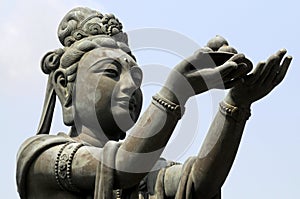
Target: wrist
<point x="237" y="113"/>
<point x="168" y="106"/>
<point x="177" y="88"/>
<point x="171" y="96"/>
<point x="235" y="101"/>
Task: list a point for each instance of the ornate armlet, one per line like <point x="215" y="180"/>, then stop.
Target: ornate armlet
<point x="63" y="166"/>
<point x="236" y="113"/>
<point x="168" y="106"/>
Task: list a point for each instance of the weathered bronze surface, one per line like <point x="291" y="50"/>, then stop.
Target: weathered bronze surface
<point x="97" y="81"/>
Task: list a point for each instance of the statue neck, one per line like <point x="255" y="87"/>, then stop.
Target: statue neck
<point x="88" y="136"/>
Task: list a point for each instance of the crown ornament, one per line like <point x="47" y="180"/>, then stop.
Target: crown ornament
<point x="84" y="22"/>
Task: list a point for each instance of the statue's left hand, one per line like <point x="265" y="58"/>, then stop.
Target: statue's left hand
<point x="265" y="77"/>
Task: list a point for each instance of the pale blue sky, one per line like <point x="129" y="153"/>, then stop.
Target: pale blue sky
<point x="267" y="163"/>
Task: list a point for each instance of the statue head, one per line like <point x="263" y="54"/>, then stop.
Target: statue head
<point x="95" y="76"/>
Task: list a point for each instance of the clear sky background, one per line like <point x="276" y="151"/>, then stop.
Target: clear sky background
<point x="267" y="164"/>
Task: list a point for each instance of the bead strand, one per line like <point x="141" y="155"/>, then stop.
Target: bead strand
<point x="236" y="113"/>
<point x="56" y="165"/>
<point x="69" y="168"/>
<point x="168" y="105"/>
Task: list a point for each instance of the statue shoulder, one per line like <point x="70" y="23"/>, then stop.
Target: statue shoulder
<point x="30" y="150"/>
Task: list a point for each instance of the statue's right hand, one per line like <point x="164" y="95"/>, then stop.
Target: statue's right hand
<point x="201" y="72"/>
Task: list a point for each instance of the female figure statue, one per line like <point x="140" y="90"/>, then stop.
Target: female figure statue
<point x="97" y="81"/>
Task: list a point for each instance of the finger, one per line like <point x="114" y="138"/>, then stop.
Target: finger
<point x="274" y="70"/>
<point x="213" y="77"/>
<point x="256" y="73"/>
<point x="227" y="68"/>
<point x="271" y="64"/>
<point x="274" y="59"/>
<point x="240" y="71"/>
<point x="281" y="53"/>
<point x="234" y="82"/>
<point x="238" y="58"/>
<point x="284" y="67"/>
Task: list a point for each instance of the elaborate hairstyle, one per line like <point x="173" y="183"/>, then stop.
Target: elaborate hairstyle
<point x="80" y="31"/>
<point x="83" y="22"/>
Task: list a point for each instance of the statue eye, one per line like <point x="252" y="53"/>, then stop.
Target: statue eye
<point x="107" y="68"/>
<point x="111" y="72"/>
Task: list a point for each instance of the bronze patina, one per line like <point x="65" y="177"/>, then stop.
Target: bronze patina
<point x="97" y="81"/>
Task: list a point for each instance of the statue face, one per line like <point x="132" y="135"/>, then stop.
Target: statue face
<point x="107" y="91"/>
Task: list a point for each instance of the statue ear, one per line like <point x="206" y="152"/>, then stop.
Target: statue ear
<point x="60" y="82"/>
<point x="64" y="92"/>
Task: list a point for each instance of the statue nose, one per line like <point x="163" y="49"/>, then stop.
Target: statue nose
<point x="136" y="75"/>
<point x="131" y="80"/>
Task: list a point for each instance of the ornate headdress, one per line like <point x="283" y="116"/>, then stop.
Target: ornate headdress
<point x="83" y="22"/>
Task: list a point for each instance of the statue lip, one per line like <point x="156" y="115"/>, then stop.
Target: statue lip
<point x="123" y="102"/>
<point x="126" y="102"/>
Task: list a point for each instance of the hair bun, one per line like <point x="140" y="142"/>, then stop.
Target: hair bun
<point x="82" y="22"/>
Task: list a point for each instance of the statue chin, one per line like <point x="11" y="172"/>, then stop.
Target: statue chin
<point x="124" y="118"/>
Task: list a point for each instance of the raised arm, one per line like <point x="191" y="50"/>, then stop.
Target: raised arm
<point x="151" y="133"/>
<point x="215" y="158"/>
<point x="221" y="143"/>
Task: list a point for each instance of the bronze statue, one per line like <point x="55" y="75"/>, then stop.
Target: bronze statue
<point x="97" y="81"/>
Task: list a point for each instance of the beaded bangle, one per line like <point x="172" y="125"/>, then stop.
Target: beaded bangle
<point x="168" y="105"/>
<point x="117" y="193"/>
<point x="69" y="167"/>
<point x="236" y="113"/>
<point x="63" y="166"/>
<point x="57" y="171"/>
<point x="171" y="163"/>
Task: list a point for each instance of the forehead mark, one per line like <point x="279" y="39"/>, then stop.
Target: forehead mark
<point x="108" y="54"/>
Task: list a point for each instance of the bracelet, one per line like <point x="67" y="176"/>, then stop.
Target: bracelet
<point x="168" y="106"/>
<point x="58" y="173"/>
<point x="236" y="113"/>
<point x="63" y="166"/>
<point x="117" y="194"/>
<point x="171" y="163"/>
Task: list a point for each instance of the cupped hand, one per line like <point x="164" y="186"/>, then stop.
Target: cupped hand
<point x="203" y="72"/>
<point x="200" y="73"/>
<point x="265" y="77"/>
